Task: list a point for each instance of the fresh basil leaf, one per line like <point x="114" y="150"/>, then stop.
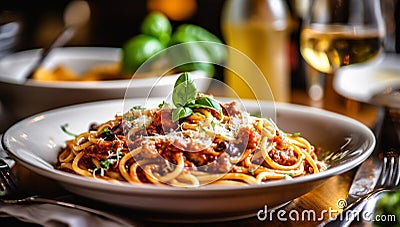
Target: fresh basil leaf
<point x="181" y="112"/>
<point x="256" y="114"/>
<point x="175" y="113"/>
<point x="184" y="90"/>
<point x="206" y="102"/>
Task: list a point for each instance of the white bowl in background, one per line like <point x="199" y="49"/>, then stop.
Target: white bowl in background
<point x="21" y="99"/>
<point x="361" y="82"/>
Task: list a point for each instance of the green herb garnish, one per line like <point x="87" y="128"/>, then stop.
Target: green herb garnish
<point x="64" y="128"/>
<point x="163" y="104"/>
<point x="184" y="90"/>
<point x="203" y="168"/>
<point x="295" y="134"/>
<point x="206" y="102"/>
<point x="256" y="114"/>
<point x="105" y="164"/>
<point x="138" y="107"/>
<point x="251" y="171"/>
<point x="130" y="117"/>
<point x="212" y="123"/>
<point x="106" y="131"/>
<point x="181" y="112"/>
<point x="184" y="98"/>
<point x="202" y="128"/>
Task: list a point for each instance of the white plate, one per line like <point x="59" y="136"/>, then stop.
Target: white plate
<point x="361" y="82"/>
<point x="36" y="141"/>
<point x="24" y="99"/>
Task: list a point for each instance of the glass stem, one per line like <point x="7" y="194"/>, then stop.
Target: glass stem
<point x="331" y="97"/>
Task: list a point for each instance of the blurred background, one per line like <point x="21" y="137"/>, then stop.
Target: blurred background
<point x="112" y="23"/>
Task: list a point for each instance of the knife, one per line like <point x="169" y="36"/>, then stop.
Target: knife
<point x="365" y="178"/>
<point x="387" y="138"/>
<point x="368" y="172"/>
<point x="366" y="175"/>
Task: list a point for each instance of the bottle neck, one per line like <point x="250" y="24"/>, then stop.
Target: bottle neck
<point x="273" y="13"/>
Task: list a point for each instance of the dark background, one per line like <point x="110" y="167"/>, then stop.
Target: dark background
<point x="112" y="22"/>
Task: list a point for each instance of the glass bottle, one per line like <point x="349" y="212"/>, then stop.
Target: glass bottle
<point x="260" y="30"/>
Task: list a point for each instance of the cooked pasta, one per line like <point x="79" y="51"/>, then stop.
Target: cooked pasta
<point x="205" y="147"/>
<point x="109" y="71"/>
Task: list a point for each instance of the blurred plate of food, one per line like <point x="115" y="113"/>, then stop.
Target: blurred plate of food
<point x="72" y="75"/>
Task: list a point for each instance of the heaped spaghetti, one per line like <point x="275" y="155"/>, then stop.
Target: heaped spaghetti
<point x="196" y="141"/>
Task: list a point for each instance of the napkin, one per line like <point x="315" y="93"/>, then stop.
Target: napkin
<point x="50" y="215"/>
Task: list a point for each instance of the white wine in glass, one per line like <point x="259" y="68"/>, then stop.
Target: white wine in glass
<point x="328" y="48"/>
<point x="338" y="33"/>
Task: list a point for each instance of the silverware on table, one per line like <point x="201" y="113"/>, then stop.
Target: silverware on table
<point x="379" y="173"/>
<point x="389" y="179"/>
<point x="10" y="193"/>
<point x="368" y="172"/>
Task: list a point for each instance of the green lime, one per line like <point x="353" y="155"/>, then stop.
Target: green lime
<point x="157" y="24"/>
<point x="137" y="50"/>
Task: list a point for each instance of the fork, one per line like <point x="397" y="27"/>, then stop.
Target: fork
<point x="9" y="187"/>
<point x="389" y="179"/>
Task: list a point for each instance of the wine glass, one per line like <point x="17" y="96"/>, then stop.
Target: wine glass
<point x="337" y="33"/>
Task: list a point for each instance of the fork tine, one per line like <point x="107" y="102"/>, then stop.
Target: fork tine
<point x="7" y="179"/>
<point x="397" y="171"/>
<point x="389" y="179"/>
<point x="391" y="171"/>
<point x="3" y="186"/>
<point x="383" y="175"/>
